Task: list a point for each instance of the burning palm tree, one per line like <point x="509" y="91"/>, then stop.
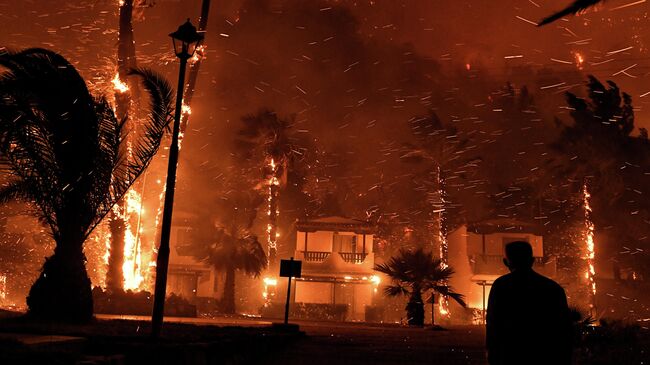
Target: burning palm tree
<point x="412" y="274"/>
<point x="441" y="147"/>
<point x="265" y="135"/>
<point x="62" y="148"/>
<point x="123" y="91"/>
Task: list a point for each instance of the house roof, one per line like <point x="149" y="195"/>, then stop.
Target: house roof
<point x="503" y="225"/>
<point x="335" y="223"/>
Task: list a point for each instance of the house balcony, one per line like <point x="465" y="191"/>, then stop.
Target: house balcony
<point x="336" y="263"/>
<point x="493" y="265"/>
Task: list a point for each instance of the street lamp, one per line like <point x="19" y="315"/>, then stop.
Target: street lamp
<point x="186" y="40"/>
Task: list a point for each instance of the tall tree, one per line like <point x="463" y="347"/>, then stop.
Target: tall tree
<point x="61" y="147"/>
<point x="414" y="272"/>
<point x="266" y="142"/>
<point x="598" y="148"/>
<point x="123" y="97"/>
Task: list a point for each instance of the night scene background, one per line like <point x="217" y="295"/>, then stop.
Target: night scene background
<point x="343" y="134"/>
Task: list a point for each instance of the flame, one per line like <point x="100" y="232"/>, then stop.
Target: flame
<point x="119" y="85"/>
<point x="580" y="59"/>
<point x="133" y="265"/>
<point x="185" y="109"/>
<point x="273" y="183"/>
<point x="198" y="54"/>
<point x="270" y="284"/>
<point x="3" y="286"/>
<point x="375" y="279"/>
<point x="590" y="273"/>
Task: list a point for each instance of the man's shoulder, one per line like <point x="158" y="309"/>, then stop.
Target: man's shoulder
<point x="547" y="281"/>
<point x="502" y="280"/>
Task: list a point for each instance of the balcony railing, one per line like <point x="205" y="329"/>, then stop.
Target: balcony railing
<point x="316" y="256"/>
<point x="353" y="257"/>
<point x="498" y="259"/>
<point x="493" y="264"/>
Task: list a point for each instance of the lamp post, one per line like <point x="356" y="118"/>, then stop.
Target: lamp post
<point x="186" y="40"/>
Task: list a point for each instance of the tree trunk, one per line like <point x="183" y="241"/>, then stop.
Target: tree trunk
<point x="114" y="274"/>
<point x="125" y="61"/>
<point x="228" y="300"/>
<point x="415" y="308"/>
<point x="194" y="67"/>
<point x="62" y="292"/>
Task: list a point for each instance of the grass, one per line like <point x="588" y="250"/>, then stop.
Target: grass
<point x="180" y="343"/>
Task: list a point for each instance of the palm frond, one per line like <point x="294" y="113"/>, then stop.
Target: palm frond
<point x="574" y="8"/>
<point x="396" y="290"/>
<point x="450" y="293"/>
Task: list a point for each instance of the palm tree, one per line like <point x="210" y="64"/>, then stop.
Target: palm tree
<point x="574" y="8"/>
<point x="267" y="136"/>
<point x="60" y="147"/>
<point x="413" y="273"/>
<point x="227" y="243"/>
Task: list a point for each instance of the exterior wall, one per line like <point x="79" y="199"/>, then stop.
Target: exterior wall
<point x="357" y="295"/>
<point x="460" y="242"/>
<point x="313" y="292"/>
<point x="337" y="268"/>
<point x="495" y="243"/>
<point x="477" y="261"/>
<point x="187" y="276"/>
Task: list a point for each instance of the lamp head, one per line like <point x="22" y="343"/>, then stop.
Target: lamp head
<point x="186" y="40"/>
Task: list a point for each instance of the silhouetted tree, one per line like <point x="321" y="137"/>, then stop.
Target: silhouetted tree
<point x="414" y="272"/>
<point x="265" y="140"/>
<point x="574" y="8"/>
<point x="598" y="146"/>
<point x="61" y="147"/>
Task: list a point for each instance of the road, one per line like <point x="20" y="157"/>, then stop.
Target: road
<point x="357" y="343"/>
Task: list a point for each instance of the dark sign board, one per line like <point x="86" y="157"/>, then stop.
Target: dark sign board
<point x="290" y="268"/>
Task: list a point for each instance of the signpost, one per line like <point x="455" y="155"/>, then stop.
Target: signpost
<point x="288" y="269"/>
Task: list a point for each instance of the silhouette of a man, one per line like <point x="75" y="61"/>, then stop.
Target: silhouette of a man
<point x="528" y="319"/>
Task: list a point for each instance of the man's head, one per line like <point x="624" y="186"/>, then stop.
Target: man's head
<point x="519" y="256"/>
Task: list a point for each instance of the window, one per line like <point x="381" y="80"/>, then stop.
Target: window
<point x="345" y="242"/>
<point x="507" y="240"/>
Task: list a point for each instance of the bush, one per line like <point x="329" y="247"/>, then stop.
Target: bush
<point x="612" y="342"/>
<point x="138" y="303"/>
<point x="316" y="311"/>
<point x="374" y="314"/>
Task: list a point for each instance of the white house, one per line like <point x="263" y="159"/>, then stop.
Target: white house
<point x="338" y="260"/>
<point x="476" y="253"/>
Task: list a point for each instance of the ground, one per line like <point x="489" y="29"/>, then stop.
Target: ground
<point x="324" y="343"/>
<point x="351" y="343"/>
<point x="359" y="343"/>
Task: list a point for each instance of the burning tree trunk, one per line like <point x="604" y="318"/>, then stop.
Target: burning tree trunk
<point x="196" y="65"/>
<point x="272" y="228"/>
<point x="590" y="272"/>
<point x="118" y="219"/>
<point x="443" y="301"/>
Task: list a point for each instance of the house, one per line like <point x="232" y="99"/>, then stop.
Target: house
<point x="476" y="253"/>
<point x="337" y="264"/>
<point x="188" y="277"/>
